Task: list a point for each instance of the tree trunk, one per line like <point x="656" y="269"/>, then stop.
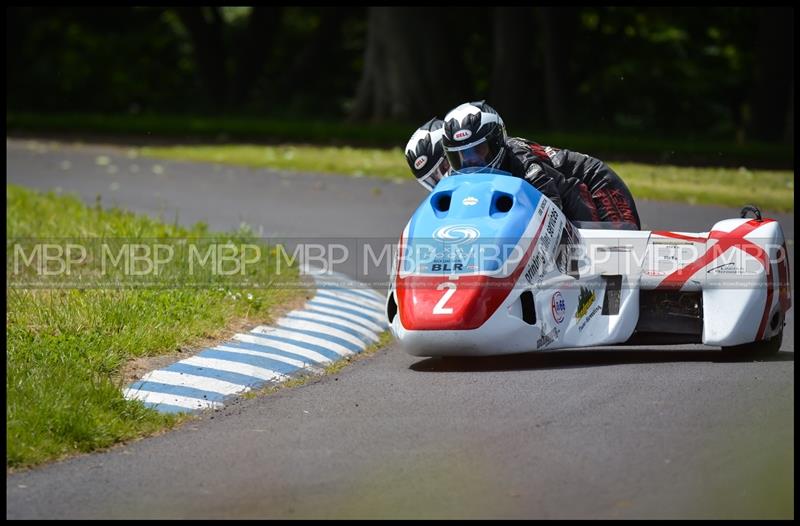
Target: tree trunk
<point x="253" y="51"/>
<point x="515" y="88"/>
<point x="209" y="51"/>
<point x="555" y="27"/>
<point x="411" y="67"/>
<point x="316" y="55"/>
<point x="788" y="134"/>
<point x="370" y="88"/>
<point x="774" y="74"/>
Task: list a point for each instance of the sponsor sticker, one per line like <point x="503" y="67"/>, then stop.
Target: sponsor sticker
<point x="585" y="300"/>
<point x="669" y="241"/>
<point x="558" y="306"/>
<point x="457" y="234"/>
<point x="534" y="268"/>
<point x="420" y="162"/>
<point x="726" y="268"/>
<point x="546" y="241"/>
<point x="619" y="248"/>
<point x="538" y="264"/>
<point x="546" y="337"/>
<point x="470" y="201"/>
<point x="460" y="135"/>
<point x="588" y="317"/>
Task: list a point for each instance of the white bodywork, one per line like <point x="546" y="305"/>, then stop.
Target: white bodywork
<point x="744" y="299"/>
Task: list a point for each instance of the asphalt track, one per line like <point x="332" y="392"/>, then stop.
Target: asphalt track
<point x="666" y="432"/>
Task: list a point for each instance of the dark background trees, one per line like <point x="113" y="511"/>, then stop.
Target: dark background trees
<point x="704" y="72"/>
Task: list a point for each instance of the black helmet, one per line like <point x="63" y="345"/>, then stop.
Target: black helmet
<point x="425" y="154"/>
<point x="474" y="135"/>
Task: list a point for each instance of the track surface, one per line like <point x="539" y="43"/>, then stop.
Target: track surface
<point x="662" y="432"/>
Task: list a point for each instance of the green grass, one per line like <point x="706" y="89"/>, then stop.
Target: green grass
<point x="768" y="189"/>
<point x="66" y="347"/>
<point x="683" y="150"/>
<point x="331" y="159"/>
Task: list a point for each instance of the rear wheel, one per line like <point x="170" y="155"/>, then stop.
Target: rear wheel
<point x="759" y="348"/>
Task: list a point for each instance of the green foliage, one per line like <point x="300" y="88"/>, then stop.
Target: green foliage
<point x="630" y="70"/>
<point x="100" y="58"/>
<point x="66" y="347"/>
<point x="666" y="69"/>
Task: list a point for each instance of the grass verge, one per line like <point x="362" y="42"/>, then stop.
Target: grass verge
<point x="147" y="128"/>
<point x="768" y="189"/>
<point x="66" y="346"/>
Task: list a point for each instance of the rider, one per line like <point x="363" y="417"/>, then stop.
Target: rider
<point x="425" y="154"/>
<point x="584" y="187"/>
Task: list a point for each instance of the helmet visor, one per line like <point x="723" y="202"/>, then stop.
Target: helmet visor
<point x="484" y="153"/>
<point x="436" y="174"/>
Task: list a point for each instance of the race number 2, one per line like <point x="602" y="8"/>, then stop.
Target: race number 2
<point x="448" y="293"/>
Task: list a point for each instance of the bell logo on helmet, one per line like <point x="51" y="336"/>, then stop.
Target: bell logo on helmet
<point x="420" y="162"/>
<point x="460" y="135"/>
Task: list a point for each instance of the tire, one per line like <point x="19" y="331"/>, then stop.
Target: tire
<point x="760" y="348"/>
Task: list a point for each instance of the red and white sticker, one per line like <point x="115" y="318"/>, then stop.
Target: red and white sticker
<point x="558" y="306"/>
<point x="460" y="135"/>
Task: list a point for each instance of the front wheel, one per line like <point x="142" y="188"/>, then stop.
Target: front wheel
<point x="759" y="348"/>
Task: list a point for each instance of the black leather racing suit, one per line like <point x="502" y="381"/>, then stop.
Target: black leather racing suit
<point x="585" y="188"/>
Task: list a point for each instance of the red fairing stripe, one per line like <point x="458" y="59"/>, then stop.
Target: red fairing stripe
<point x="726" y="240"/>
<point x="475" y="299"/>
<point x="469" y="305"/>
<point x="677" y="279"/>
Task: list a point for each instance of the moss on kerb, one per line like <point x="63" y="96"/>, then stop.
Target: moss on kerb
<point x="306" y="376"/>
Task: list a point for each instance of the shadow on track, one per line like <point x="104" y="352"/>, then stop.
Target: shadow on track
<point x="587" y="358"/>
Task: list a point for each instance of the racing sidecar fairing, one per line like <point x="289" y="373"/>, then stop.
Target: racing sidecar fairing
<point x="488" y="265"/>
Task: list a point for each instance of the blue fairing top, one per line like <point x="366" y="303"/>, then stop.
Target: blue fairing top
<point x="470" y="223"/>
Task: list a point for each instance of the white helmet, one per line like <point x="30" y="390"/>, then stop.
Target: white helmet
<point x="425" y="154"/>
<point x="474" y="136"/>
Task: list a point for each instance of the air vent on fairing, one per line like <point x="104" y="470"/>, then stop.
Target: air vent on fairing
<point x="391" y="308"/>
<point x="524" y="308"/>
<point x="441" y="203"/>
